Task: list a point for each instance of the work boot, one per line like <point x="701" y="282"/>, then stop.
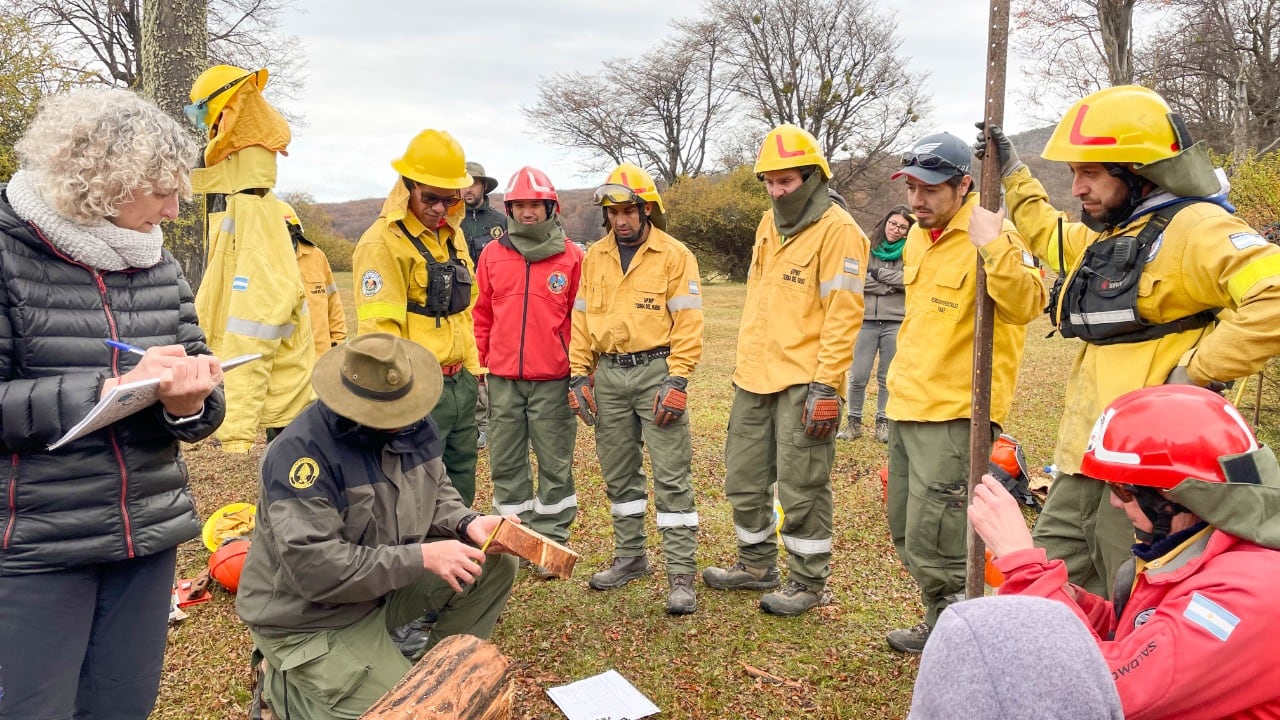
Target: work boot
<point x="793" y="599"/>
<point x="681" y="600"/>
<point x="742" y="577"/>
<point x="622" y="571"/>
<point x="909" y="640"/>
<point x="853" y="431"/>
<point x="411" y="638"/>
<point x="882" y="429"/>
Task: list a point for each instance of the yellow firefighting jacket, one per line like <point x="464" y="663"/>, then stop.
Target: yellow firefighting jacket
<point x="803" y="306"/>
<point x="931" y="377"/>
<point x="1205" y="259"/>
<point x="251" y="299"/>
<point x="391" y="273"/>
<point x="656" y="303"/>
<point x="328" y="320"/>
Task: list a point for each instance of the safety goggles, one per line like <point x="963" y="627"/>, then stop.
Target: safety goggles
<point x="447" y="201"/>
<point x="198" y="112"/>
<point x="929" y="161"/>
<point x="1126" y="493"/>
<point x="613" y="194"/>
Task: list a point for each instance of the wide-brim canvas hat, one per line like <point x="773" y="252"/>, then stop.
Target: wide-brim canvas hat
<point x="476" y="171"/>
<point x="379" y="381"/>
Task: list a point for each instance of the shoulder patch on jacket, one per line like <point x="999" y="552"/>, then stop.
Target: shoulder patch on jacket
<point x="693" y="288"/>
<point x="851" y="266"/>
<point x="1243" y="240"/>
<point x="1211" y="616"/>
<point x="370" y="283"/>
<point x="240" y="282"/>
<point x="304" y="473"/>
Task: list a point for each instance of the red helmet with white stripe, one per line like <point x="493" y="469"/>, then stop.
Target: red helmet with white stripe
<point x="530" y="183"/>
<point x="1161" y="435"/>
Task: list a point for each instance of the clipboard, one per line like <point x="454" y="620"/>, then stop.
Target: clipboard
<point x="125" y="400"/>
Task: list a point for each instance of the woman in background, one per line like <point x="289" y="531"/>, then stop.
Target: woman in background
<point x="884" y="302"/>
<point x="89" y="532"/>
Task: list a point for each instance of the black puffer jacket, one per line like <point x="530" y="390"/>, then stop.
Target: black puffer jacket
<point x="117" y="493"/>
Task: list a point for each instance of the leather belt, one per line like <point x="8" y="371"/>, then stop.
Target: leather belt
<point x="630" y="360"/>
<point x="451" y="370"/>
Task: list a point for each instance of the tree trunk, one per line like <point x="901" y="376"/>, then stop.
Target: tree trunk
<point x="462" y="678"/>
<point x="175" y="40"/>
<point x="1115" y="20"/>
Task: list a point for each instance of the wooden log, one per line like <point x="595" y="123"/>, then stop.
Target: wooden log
<point x="462" y="678"/>
<point x="537" y="549"/>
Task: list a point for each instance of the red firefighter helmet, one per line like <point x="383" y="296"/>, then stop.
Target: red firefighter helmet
<point x="1161" y="435"/>
<point x="530" y="183"/>
<point x="227" y="562"/>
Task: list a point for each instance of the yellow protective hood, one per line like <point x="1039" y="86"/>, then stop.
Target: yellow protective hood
<point x="250" y="167"/>
<point x="248" y="119"/>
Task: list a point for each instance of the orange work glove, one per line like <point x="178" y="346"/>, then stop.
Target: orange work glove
<point x="581" y="401"/>
<point x="669" y="403"/>
<point x="821" y="411"/>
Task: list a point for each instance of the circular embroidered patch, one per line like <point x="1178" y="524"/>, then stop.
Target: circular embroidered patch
<point x="557" y="282"/>
<point x="370" y="283"/>
<point x="304" y="472"/>
<point x="496" y="232"/>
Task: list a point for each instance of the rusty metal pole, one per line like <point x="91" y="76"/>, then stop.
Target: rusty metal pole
<point x="980" y="417"/>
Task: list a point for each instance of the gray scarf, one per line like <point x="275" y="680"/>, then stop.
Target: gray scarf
<point x="102" y="245"/>
<point x="801" y="207"/>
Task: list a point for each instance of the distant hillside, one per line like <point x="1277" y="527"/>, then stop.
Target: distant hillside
<point x="582" y="220"/>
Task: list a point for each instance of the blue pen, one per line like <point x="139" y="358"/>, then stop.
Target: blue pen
<point x="125" y="347"/>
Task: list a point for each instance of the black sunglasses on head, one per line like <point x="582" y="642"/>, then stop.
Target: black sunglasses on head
<point x="929" y="161"/>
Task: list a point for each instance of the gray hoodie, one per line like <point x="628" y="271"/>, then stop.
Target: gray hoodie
<point x="1013" y="658"/>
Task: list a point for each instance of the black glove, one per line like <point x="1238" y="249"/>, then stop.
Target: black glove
<point x="669" y="403"/>
<point x="821" y="411"/>
<point x="581" y="400"/>
<point x="1006" y="155"/>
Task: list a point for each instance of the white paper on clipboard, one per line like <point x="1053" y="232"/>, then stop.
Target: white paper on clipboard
<point x="125" y="400"/>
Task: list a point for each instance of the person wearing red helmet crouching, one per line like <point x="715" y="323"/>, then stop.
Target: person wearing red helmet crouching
<point x="1193" y="626"/>
<point x="523" y="319"/>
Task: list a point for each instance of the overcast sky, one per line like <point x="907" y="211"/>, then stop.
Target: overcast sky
<point x="379" y="71"/>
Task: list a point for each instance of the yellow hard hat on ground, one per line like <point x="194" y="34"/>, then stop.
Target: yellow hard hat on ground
<point x="634" y="178"/>
<point x="1122" y="124"/>
<point x="228" y="521"/>
<point x="434" y="158"/>
<point x="214" y="88"/>
<point x="788" y="146"/>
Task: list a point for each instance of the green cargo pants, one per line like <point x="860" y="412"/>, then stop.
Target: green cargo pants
<point x="767" y="445"/>
<point x="455" y="416"/>
<point x="928" y="499"/>
<point x="524" y="413"/>
<point x="1079" y="526"/>
<point x="339" y="674"/>
<point x="624" y="427"/>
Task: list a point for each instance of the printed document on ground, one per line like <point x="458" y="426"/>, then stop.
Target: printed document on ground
<point x="125" y="400"/>
<point x="607" y="696"/>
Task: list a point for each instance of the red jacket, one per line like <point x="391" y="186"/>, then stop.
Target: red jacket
<point x="523" y="315"/>
<point x="1199" y="637"/>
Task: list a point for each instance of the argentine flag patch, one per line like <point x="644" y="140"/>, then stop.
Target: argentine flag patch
<point x="240" y="283"/>
<point x="693" y="287"/>
<point x="1211" y="616"/>
<point x="1243" y="240"/>
<point x="851" y="266"/>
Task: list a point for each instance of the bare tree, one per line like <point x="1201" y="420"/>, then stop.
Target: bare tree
<point x="29" y="70"/>
<point x="104" y="37"/>
<point x="659" y="112"/>
<point x="1078" y="46"/>
<point x="829" y="66"/>
<point x="173" y="48"/>
<point x="1217" y="62"/>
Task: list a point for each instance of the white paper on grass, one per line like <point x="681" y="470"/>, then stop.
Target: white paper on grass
<point x="607" y="696"/>
<point x="125" y="400"/>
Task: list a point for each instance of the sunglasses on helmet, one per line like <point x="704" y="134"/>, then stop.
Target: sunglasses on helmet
<point x="613" y="194"/>
<point x="197" y="112"/>
<point x="929" y="161"/>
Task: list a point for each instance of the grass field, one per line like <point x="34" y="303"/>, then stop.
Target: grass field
<point x="833" y="662"/>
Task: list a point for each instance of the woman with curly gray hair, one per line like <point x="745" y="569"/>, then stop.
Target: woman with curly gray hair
<point x="89" y="532"/>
